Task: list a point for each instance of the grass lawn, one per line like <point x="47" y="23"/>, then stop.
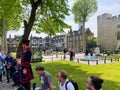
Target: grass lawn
<point x="79" y="73"/>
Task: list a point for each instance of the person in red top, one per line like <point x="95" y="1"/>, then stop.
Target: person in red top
<point x="26" y="72"/>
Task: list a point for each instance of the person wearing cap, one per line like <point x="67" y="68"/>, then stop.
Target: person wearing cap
<point x="26" y="74"/>
<point x="94" y="83"/>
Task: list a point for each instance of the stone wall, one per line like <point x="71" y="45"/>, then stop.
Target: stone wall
<point x="108" y="28"/>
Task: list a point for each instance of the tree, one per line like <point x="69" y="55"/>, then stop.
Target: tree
<point x="82" y="10"/>
<point x="41" y="11"/>
<point x="91" y="42"/>
<point x="9" y="19"/>
<point x="53" y="26"/>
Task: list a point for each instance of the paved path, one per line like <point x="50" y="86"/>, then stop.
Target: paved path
<point x="6" y="86"/>
<point x="77" y="59"/>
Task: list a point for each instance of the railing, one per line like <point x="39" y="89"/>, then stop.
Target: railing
<point x="95" y="61"/>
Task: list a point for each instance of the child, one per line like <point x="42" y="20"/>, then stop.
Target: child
<point x="1" y="70"/>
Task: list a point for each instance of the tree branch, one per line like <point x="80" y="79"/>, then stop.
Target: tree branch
<point x="32" y="3"/>
<point x="25" y="23"/>
<point x="38" y="2"/>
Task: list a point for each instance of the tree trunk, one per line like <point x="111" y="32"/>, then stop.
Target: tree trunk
<point x="28" y="25"/>
<point x="4" y="35"/>
<point x="27" y="30"/>
<point x="84" y="36"/>
<point x="50" y="42"/>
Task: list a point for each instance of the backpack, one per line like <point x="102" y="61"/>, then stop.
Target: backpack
<point x="75" y="85"/>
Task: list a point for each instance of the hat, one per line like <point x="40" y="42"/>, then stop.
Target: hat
<point x="25" y="42"/>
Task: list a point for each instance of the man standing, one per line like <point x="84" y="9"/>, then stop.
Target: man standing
<point x="26" y="73"/>
<point x="45" y="79"/>
<point x="63" y="82"/>
<point x="71" y="54"/>
<point x="64" y="51"/>
<point x="9" y="61"/>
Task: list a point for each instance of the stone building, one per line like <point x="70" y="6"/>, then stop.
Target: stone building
<point x="59" y="42"/>
<point x="36" y="42"/>
<point x="75" y="39"/>
<point x="47" y="42"/>
<point x="108" y="27"/>
<point x="12" y="43"/>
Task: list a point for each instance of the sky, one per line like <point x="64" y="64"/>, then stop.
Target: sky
<point x="104" y="6"/>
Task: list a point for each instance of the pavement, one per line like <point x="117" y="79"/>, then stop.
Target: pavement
<point x="78" y="58"/>
<point x="6" y="86"/>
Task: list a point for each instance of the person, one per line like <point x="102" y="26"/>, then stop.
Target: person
<point x="62" y="80"/>
<point x="16" y="74"/>
<point x="45" y="79"/>
<point x="3" y="56"/>
<point x="94" y="83"/>
<point x="71" y="54"/>
<point x="91" y="52"/>
<point x="44" y="51"/>
<point x="51" y="50"/>
<point x="56" y="52"/>
<point x="26" y="74"/>
<point x="9" y="61"/>
<point x="86" y="52"/>
<point x="1" y="70"/>
<point x="64" y="51"/>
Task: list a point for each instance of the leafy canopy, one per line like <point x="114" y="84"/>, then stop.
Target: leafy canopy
<point x="10" y="11"/>
<point x="83" y="9"/>
<point x="49" y="15"/>
<point x="91" y="42"/>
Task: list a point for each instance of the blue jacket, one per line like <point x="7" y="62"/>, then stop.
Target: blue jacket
<point x="1" y="66"/>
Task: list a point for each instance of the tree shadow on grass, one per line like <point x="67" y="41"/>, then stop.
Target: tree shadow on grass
<point x="75" y="73"/>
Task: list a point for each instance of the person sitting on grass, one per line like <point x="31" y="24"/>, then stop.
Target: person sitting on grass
<point x="63" y="81"/>
<point x="94" y="83"/>
<point x="45" y="79"/>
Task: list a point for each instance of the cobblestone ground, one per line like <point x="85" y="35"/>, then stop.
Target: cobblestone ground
<point x="6" y="86"/>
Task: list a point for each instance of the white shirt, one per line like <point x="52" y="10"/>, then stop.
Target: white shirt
<point x="69" y="85"/>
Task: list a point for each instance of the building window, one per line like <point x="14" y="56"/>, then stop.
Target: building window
<point x="118" y="35"/>
<point x="118" y="25"/>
